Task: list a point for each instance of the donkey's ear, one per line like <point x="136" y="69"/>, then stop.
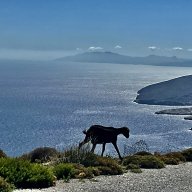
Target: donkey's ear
<point x="85" y="132"/>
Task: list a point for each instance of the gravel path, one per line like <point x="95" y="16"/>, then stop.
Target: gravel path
<point x="177" y="178"/>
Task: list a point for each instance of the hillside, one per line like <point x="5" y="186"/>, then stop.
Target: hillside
<point x="174" y="92"/>
<point x="110" y="57"/>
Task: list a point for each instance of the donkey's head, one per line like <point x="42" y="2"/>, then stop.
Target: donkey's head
<point x="125" y="131"/>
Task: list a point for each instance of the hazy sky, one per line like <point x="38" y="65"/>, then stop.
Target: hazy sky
<point x="42" y="28"/>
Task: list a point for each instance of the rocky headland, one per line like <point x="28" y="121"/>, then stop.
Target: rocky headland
<point x="174" y="92"/>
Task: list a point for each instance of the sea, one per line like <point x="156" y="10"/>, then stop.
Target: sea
<point x="50" y="103"/>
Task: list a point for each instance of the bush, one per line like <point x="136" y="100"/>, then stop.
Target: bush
<point x="172" y="158"/>
<point x="169" y="161"/>
<point x="2" y="154"/>
<point x="87" y="164"/>
<point x="134" y="168"/>
<point x="176" y="155"/>
<point x="41" y="155"/>
<point x="4" y="186"/>
<point x="151" y="162"/>
<point x="148" y="161"/>
<point x="133" y="159"/>
<point x="108" y="166"/>
<point x="93" y="171"/>
<point x="81" y="156"/>
<point x="85" y="172"/>
<point x="64" y="171"/>
<point x="187" y="154"/>
<point x="24" y="174"/>
<point x="100" y="165"/>
<point x="104" y="170"/>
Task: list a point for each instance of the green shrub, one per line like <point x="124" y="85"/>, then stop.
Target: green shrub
<point x="41" y="177"/>
<point x="148" y="161"/>
<point x="2" y="154"/>
<point x="81" y="156"/>
<point x="100" y="165"/>
<point x="169" y="160"/>
<point x="24" y="174"/>
<point x="93" y="171"/>
<point x="151" y="162"/>
<point x="133" y="159"/>
<point x="4" y="186"/>
<point x="89" y="159"/>
<point x="108" y="166"/>
<point x="187" y="154"/>
<point x="64" y="171"/>
<point x="134" y="168"/>
<point x="41" y="155"/>
<point x="85" y="172"/>
<point x="104" y="170"/>
<point x="172" y="158"/>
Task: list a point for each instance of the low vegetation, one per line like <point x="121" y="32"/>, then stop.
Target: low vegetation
<point x="64" y="171"/>
<point x="41" y="155"/>
<point x="2" y="154"/>
<point x="146" y="161"/>
<point x="23" y="174"/>
<point x="4" y="186"/>
<point x="172" y="158"/>
<point x="108" y="166"/>
<point x="74" y="155"/>
<point x="187" y="154"/>
<point x="43" y="166"/>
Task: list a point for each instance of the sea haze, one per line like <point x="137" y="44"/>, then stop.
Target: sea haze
<point x="49" y="104"/>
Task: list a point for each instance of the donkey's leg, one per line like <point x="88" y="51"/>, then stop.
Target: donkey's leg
<point x="103" y="149"/>
<point x="115" y="145"/>
<point x="93" y="147"/>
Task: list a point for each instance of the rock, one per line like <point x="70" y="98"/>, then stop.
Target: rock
<point x="188" y="118"/>
<point x="177" y="111"/>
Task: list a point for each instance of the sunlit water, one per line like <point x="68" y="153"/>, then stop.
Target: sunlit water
<point x="49" y="104"/>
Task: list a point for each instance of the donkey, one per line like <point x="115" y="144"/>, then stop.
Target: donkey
<point x="99" y="134"/>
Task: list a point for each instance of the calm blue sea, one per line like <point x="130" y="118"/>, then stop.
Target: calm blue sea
<point x="50" y="103"/>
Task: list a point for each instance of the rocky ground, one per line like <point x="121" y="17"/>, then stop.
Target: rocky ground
<point x="173" y="178"/>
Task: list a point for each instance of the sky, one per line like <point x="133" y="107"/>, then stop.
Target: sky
<point x="47" y="29"/>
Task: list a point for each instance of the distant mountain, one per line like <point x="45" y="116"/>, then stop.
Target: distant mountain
<point x="110" y="57"/>
<point x="174" y="92"/>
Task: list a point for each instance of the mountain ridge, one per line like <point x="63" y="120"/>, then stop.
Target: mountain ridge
<point x="111" y="57"/>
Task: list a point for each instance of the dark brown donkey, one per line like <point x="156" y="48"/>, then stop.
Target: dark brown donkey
<point x="98" y="134"/>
